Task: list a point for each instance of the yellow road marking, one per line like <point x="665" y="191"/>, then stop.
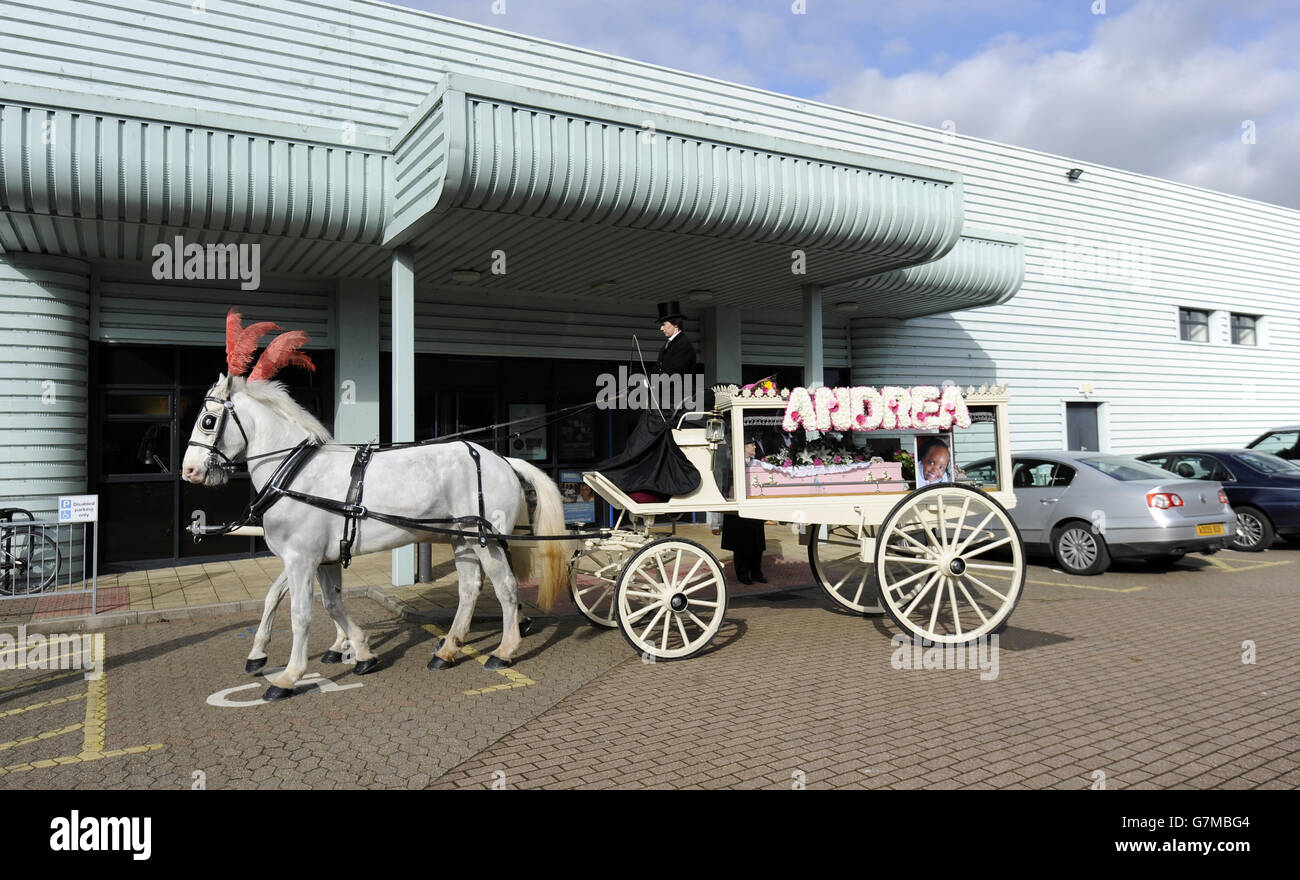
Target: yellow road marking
<point x="92" y="743"/>
<point x="41" y="680"/>
<point x="515" y="679"/>
<point x="56" y="655"/>
<point x="42" y="705"/>
<point x="1004" y="577"/>
<point x="13" y="744"/>
<point x="96" y="717"/>
<point x="1249" y="566"/>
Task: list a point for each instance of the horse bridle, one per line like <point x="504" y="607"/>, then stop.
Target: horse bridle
<point x="216" y="458"/>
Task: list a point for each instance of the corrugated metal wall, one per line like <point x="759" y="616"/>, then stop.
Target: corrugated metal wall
<point x="132" y="307"/>
<point x="450" y="321"/>
<point x="44" y="312"/>
<point x="1109" y="259"/>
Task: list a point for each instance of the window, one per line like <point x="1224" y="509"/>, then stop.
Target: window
<point x="1035" y="473"/>
<point x="1245" y="330"/>
<point x="1193" y="325"/>
<point x="1269" y="465"/>
<point x="1117" y="467"/>
<point x="1283" y="443"/>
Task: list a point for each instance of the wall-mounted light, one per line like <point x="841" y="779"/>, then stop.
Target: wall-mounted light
<point x="466" y="276"/>
<point x="700" y="296"/>
<point x="1074" y="173"/>
<point x="846" y="306"/>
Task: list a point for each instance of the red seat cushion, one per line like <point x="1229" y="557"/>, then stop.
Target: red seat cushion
<point x="648" y="497"/>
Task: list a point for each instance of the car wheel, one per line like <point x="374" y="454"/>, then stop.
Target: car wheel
<point x="1080" y="550"/>
<point x="1254" y="531"/>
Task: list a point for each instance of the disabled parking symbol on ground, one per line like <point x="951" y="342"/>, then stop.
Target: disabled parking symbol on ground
<point x="311" y="683"/>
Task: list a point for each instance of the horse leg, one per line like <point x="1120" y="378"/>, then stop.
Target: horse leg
<point x="497" y="565"/>
<point x="257" y="655"/>
<point x="331" y="591"/>
<point x="469" y="576"/>
<point x="299" y="572"/>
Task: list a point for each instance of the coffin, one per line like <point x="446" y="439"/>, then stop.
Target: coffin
<point x="862" y="478"/>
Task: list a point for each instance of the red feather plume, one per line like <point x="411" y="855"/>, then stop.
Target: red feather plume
<point x="241" y="341"/>
<point x="282" y="352"/>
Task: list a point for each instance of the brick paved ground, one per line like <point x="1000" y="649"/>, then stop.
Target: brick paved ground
<point x="1137" y="674"/>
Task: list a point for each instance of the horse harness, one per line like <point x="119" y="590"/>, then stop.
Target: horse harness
<point x="351" y="508"/>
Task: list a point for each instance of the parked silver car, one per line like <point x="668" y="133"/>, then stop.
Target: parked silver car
<point x="1088" y="508"/>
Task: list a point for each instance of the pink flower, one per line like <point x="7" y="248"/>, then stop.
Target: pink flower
<point x="839" y="460"/>
<point x="817" y="461"/>
<point x="787" y="463"/>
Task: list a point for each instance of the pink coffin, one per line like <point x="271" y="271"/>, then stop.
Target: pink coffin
<point x="863" y="479"/>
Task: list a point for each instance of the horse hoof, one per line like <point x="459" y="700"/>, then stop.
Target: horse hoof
<point x="495" y="662"/>
<point x="526" y="626"/>
<point x="332" y="657"/>
<point x="364" y="666"/>
<point x="439" y="663"/>
<point x="252" y="667"/>
<point x="274" y="693"/>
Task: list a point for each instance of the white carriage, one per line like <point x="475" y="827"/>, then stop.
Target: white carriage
<point x="944" y="560"/>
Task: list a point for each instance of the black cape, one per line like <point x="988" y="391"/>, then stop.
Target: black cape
<point x="652" y="461"/>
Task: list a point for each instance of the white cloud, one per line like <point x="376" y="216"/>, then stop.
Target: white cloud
<point x="1159" y="90"/>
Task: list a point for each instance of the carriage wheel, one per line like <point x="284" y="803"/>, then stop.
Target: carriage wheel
<point x="839" y="569"/>
<point x="938" y="577"/>
<point x="671" y="599"/>
<point x="593" y="579"/>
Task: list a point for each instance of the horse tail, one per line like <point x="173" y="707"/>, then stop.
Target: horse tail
<point x="553" y="556"/>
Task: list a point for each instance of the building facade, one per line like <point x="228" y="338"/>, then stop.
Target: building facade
<point x="474" y="226"/>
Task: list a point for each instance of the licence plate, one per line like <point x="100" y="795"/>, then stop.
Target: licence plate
<point x="1210" y="529"/>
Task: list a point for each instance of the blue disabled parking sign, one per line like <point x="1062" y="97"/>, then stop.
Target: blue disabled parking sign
<point x="78" y="508"/>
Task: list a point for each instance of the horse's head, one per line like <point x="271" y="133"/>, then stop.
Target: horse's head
<point x="215" y="446"/>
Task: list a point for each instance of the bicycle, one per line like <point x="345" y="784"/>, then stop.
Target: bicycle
<point x="29" y="558"/>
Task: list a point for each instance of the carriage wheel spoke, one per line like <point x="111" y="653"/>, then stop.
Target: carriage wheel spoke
<point x="952" y="600"/>
<point x="906" y="561"/>
<point x="690" y="574"/>
<point x="704" y="602"/>
<point x="701" y="585"/>
<point x="658" y="614"/>
<point x="975" y="531"/>
<point x="906" y="537"/>
<point x="899" y="584"/>
<point x="938" y="601"/>
<point x="988" y="566"/>
<point x="862" y="585"/>
<point x="663" y="641"/>
<point x="677" y="566"/>
<point x="681" y="628"/>
<point x="942" y="522"/>
<point x="987" y="547"/>
<point x="921" y="594"/>
<point x="961" y="519"/>
<point x="642" y="612"/>
<point x="979" y="583"/>
<point x="701" y="624"/>
<point x="653" y="597"/>
<point x="962" y="586"/>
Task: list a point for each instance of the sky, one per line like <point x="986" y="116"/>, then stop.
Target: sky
<point x="1205" y="92"/>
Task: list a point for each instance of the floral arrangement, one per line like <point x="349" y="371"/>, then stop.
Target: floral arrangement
<point x="817" y="455"/>
<point x="908" y="461"/>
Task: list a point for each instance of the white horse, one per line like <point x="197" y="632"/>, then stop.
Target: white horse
<point x="255" y="420"/>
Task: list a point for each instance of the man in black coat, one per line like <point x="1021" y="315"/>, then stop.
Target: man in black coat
<point x="652" y="467"/>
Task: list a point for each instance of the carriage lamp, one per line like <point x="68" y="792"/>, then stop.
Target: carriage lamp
<point x="714" y="431"/>
<point x="1074" y="173"/>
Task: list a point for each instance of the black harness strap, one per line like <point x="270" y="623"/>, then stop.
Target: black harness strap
<point x="353" y="509"/>
<point x="482" y="520"/>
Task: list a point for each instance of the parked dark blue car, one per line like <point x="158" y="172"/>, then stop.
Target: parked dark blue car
<point x="1263" y="489"/>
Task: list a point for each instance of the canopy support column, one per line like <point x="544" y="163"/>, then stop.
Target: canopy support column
<point x="402" y="292"/>
<point x="356" y="408"/>
<point x="722" y="349"/>
<point x="814" y="362"/>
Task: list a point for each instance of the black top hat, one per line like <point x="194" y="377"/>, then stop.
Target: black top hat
<point x="670" y="311"/>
